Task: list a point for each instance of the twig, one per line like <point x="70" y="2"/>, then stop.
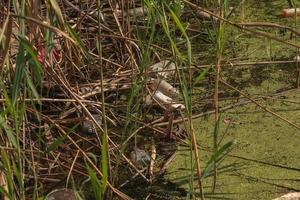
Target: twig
<point x="261" y="106"/>
<point x="266" y="35"/>
<point x="268" y="24"/>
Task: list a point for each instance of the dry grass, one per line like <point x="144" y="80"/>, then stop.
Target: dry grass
<point x="73" y="78"/>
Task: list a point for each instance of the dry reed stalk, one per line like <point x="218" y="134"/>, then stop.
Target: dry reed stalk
<point x="73" y="89"/>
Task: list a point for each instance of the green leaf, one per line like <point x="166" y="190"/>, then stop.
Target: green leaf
<point x="93" y="156"/>
<point x="55" y="144"/>
<point x="216" y="128"/>
<point x="182" y="29"/>
<point x="8" y="103"/>
<point x="201" y="76"/>
<point x="104" y="163"/>
<point x="164" y="23"/>
<point x="36" y="66"/>
<point x="8" y="173"/>
<point x="76" y="37"/>
<point x="32" y="88"/>
<point x="19" y="74"/>
<point x="95" y="184"/>
<point x="9" y="132"/>
<point x="57" y="11"/>
<point x="4" y="193"/>
<point x="217" y="157"/>
<point x="178" y="23"/>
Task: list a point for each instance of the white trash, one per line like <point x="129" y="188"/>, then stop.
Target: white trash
<point x="166" y="101"/>
<point x="290" y="196"/>
<point x="61" y="194"/>
<point x="140" y="158"/>
<point x="164" y="69"/>
<point x="164" y="87"/>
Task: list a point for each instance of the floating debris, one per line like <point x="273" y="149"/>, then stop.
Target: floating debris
<point x="290" y="12"/>
<point x="164" y="87"/>
<point x="164" y="69"/>
<point x="297" y="58"/>
<point x="205" y="15"/>
<point x="61" y="194"/>
<point x="138" y="12"/>
<point x="167" y="102"/>
<point x="162" y="93"/>
<point x="88" y="125"/>
<point x="140" y="158"/>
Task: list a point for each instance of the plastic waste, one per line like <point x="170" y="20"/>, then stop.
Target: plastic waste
<point x="140" y="158"/>
<point x="61" y="194"/>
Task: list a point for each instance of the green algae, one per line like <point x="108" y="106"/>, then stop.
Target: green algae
<point x="260" y="137"/>
<point x="265" y="162"/>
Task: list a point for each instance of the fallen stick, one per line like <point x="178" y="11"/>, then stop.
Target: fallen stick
<point x="225" y="108"/>
<point x="260" y="105"/>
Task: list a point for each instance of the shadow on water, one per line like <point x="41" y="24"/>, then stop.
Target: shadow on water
<point x="159" y="189"/>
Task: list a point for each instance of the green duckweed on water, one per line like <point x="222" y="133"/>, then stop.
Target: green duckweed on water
<point x="265" y="161"/>
<point x="259" y="137"/>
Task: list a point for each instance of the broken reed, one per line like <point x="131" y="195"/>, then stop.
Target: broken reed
<point x="23" y="76"/>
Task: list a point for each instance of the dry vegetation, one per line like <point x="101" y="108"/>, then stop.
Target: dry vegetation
<point x="75" y="80"/>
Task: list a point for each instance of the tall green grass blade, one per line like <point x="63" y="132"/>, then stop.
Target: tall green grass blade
<point x="201" y="76"/>
<point x="9" y="132"/>
<point x="5" y="194"/>
<point x="216" y="129"/>
<point x="164" y="23"/>
<point x="55" y="144"/>
<point x="104" y="165"/>
<point x="95" y="182"/>
<point x="291" y="3"/>
<point x="76" y="38"/>
<point x="19" y="74"/>
<point x="186" y="93"/>
<point x="18" y="174"/>
<point x="32" y="88"/>
<point x="8" y="174"/>
<point x="21" y="71"/>
<point x="36" y="66"/>
<point x="182" y="29"/>
<point x="57" y="11"/>
<point x="58" y="141"/>
<point x="217" y="157"/>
